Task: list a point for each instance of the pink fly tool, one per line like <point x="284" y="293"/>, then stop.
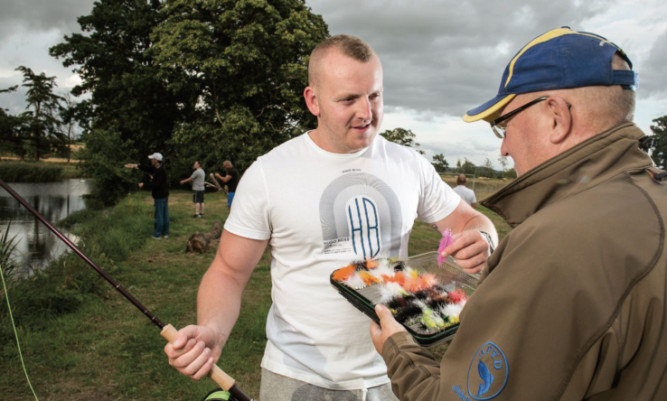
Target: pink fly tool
<point x="168" y="331"/>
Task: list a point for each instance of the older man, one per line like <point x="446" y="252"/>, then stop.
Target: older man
<point x="573" y="305"/>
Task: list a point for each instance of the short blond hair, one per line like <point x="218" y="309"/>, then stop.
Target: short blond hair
<point x="350" y="46"/>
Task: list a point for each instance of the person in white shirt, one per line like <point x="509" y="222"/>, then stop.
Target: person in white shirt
<point x="330" y="196"/>
<point x="464" y="192"/>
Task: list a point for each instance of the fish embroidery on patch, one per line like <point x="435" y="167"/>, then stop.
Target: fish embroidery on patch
<point x="488" y="372"/>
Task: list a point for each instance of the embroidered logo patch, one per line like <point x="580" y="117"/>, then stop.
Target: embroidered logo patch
<point x="488" y="372"/>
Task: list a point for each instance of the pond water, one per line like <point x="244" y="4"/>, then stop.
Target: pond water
<point x="36" y="245"/>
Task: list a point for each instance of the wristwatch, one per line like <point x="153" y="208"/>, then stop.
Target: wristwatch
<point x="488" y="239"/>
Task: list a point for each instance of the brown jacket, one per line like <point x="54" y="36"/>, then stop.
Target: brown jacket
<point x="573" y="307"/>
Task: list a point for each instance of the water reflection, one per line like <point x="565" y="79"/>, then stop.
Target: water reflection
<point x="36" y="245"/>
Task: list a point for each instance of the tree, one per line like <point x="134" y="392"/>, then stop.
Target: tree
<point x="208" y="80"/>
<point x="440" y="163"/>
<point x="9" y="140"/>
<point x="468" y="167"/>
<point x="68" y="115"/>
<point x="485" y="170"/>
<point x="403" y="137"/>
<point x="506" y="172"/>
<point x="128" y="100"/>
<point x="14" y="134"/>
<point x="247" y="62"/>
<point x="43" y="118"/>
<point x="659" y="142"/>
<point x="502" y="159"/>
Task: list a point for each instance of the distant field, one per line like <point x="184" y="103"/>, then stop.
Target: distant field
<point x="59" y="160"/>
<point x="482" y="186"/>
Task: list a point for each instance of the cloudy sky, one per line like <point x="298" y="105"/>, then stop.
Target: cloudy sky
<point x="440" y="57"/>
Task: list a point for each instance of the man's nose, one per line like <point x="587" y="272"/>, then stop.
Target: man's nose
<point x="364" y="109"/>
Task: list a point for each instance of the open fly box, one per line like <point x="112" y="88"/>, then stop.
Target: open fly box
<point x="424" y="297"/>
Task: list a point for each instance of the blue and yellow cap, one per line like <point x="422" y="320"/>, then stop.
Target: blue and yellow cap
<point x="559" y="59"/>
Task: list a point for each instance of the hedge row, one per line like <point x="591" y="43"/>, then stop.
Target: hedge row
<point x="29" y="172"/>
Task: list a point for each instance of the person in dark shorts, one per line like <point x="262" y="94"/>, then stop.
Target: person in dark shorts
<point x="197" y="178"/>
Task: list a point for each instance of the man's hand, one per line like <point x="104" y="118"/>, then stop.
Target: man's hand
<point x="131" y="165"/>
<point x="470" y="249"/>
<point x="387" y="327"/>
<point x="194" y="351"/>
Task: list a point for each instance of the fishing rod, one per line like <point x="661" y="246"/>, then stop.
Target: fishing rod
<point x="168" y="331"/>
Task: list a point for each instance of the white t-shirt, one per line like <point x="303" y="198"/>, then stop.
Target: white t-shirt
<point x="323" y="211"/>
<point x="467" y="194"/>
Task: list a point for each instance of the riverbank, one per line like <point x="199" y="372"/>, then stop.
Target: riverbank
<point x="106" y="349"/>
<point x="41" y="171"/>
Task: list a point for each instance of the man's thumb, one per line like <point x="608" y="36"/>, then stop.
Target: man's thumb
<point x="382" y="312"/>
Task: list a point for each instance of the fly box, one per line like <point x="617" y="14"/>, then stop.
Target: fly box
<point x="424" y="297"/>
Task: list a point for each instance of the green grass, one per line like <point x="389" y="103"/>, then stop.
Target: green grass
<point x="106" y="349"/>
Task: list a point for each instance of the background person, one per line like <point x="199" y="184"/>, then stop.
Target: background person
<point x="573" y="306"/>
<point x="467" y="194"/>
<point x="198" y="179"/>
<point x="159" y="190"/>
<point x="335" y="194"/>
<point x="231" y="179"/>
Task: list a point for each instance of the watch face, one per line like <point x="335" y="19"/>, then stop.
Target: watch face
<point x="424" y="297"/>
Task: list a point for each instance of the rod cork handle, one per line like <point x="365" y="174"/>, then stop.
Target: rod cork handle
<point x="225" y="381"/>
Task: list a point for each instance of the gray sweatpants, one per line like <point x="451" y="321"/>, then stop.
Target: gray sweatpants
<point x="275" y="387"/>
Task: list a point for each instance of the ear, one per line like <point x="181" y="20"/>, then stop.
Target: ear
<point x="561" y="116"/>
<point x="311" y="100"/>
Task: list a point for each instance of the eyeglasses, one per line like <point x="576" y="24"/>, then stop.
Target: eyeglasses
<point x="499" y="130"/>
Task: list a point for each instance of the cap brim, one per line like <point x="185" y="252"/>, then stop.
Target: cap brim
<point x="488" y="110"/>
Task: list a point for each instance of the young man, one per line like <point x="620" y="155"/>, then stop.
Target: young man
<point x="198" y="179"/>
<point x="573" y="306"/>
<point x="335" y="194"/>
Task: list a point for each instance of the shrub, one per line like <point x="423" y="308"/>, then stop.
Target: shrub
<point x="29" y="172"/>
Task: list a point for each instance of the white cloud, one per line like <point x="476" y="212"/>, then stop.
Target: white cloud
<point x="441" y="57"/>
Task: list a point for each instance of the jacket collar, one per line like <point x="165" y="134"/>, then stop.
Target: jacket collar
<point x="575" y="170"/>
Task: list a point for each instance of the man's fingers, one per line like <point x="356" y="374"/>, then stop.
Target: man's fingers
<point x="191" y="361"/>
<point x="387" y="320"/>
<point x="198" y="367"/>
<point x="376" y="330"/>
<point x="176" y="354"/>
<point x="383" y="313"/>
<point x="205" y="369"/>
